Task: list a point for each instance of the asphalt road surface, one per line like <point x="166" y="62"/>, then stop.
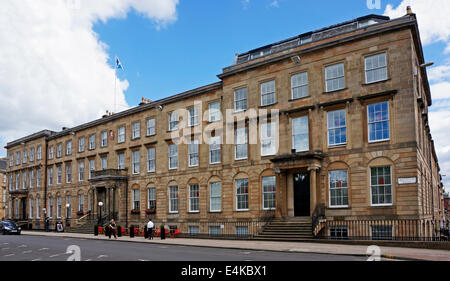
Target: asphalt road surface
<point x="38" y="248"/>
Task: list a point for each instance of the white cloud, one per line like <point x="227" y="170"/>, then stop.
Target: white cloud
<point x="55" y="70"/>
<point x="434" y="25"/>
<point x="433" y="17"/>
<point x="275" y="4"/>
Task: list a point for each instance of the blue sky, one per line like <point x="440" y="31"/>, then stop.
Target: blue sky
<point x="167" y="47"/>
<point x="190" y="52"/>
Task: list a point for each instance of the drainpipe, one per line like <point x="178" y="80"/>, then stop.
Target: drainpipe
<point x="126" y="205"/>
<point x="45" y="178"/>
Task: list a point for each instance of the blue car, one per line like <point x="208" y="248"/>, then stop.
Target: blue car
<point x="7" y="227"/>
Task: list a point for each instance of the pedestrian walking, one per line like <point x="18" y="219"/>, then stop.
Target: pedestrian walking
<point x="150" y="226"/>
<point x="112" y="229"/>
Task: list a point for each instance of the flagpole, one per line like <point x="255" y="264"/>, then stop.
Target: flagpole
<point x="115" y="83"/>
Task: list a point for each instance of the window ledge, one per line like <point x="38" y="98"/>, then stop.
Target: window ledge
<point x="376" y="82"/>
<point x="390" y="206"/>
<point x="297" y="99"/>
<point x="335" y="91"/>
<point x="379" y="141"/>
<point x="268" y="105"/>
<point x="338" y="207"/>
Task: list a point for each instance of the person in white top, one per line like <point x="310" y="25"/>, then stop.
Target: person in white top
<point x="150" y="226"/>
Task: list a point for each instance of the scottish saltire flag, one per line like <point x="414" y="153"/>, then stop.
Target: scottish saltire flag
<point x="119" y="64"/>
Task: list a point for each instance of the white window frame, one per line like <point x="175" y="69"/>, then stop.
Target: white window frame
<point x="81" y="144"/>
<point x="193" y="198"/>
<point x="136" y="162"/>
<point x="18" y="158"/>
<point x="58" y="175"/>
<point x="214" y="113"/>
<point x="300" y="133"/>
<point x="265" y="128"/>
<point x="25" y="156"/>
<point x="382" y="121"/>
<point x="241" y="100"/>
<point x="215" y="196"/>
<point x="59" y="150"/>
<point x="138" y="200"/>
<point x="80" y="202"/>
<point x="241" y="140"/>
<point x="32" y="154"/>
<point x="366" y="70"/>
<point x="104" y="139"/>
<point x="121" y="161"/>
<point x="92" y="142"/>
<point x="173" y="191"/>
<point x="38" y="208"/>
<point x="91" y="164"/>
<point x="50" y="152"/>
<point x="214" y="146"/>
<point x="173" y="121"/>
<point x="391" y="186"/>
<point x="247" y="195"/>
<point x="297" y="82"/>
<point x="104" y="162"/>
<point x="81" y="171"/>
<point x="69" y="148"/>
<point x="68" y="173"/>
<point x="341" y="188"/>
<point x="337" y="77"/>
<point x="38" y="178"/>
<point x="121" y="134"/>
<point x="50" y="176"/>
<point x="264" y="193"/>
<point x="268" y="91"/>
<point x="332" y="128"/>
<point x="151" y="127"/>
<point x="151" y="196"/>
<point x="193" y="114"/>
<point x="136" y="130"/>
<point x="151" y="160"/>
<point x="58" y="207"/>
<point x="39" y="153"/>
<point x="193" y="149"/>
<point x="173" y="154"/>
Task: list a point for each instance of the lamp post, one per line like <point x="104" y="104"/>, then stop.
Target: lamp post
<point x="100" y="205"/>
<point x="67" y="214"/>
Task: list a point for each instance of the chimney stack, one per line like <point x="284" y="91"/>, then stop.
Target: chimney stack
<point x="409" y="10"/>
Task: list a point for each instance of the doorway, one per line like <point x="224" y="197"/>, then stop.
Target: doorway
<point x="301" y="195"/>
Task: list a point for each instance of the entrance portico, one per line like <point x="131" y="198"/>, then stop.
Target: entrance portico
<point x="106" y="186"/>
<point x="298" y="181"/>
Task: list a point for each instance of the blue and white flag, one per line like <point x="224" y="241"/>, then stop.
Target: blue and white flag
<point x="119" y="64"/>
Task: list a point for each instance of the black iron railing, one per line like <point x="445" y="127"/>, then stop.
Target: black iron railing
<point x="398" y="230"/>
<point x="318" y="214"/>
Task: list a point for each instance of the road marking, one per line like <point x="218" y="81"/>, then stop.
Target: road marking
<point x="22" y="246"/>
<point x="5" y="243"/>
<point x="27" y="252"/>
<point x="43" y="249"/>
<point x="9" y="255"/>
<point x="37" y="259"/>
<point x="142" y="260"/>
<point x="56" y="255"/>
<point x="5" y="249"/>
<point x="102" y="256"/>
<point x="246" y="253"/>
<point x="88" y="260"/>
<point x="163" y="247"/>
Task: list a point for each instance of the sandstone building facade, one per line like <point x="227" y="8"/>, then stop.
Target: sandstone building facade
<point x="350" y="141"/>
<point x="3" y="181"/>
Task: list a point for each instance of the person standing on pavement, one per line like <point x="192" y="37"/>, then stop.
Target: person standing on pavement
<point x="112" y="229"/>
<point x="150" y="226"/>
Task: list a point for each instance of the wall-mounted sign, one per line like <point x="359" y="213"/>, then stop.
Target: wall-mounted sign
<point x="407" y="180"/>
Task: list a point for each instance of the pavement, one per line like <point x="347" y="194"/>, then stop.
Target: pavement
<point x="394" y="253"/>
<point x="50" y="248"/>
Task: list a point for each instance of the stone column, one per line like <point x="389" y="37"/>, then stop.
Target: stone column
<point x="313" y="186"/>
<point x="290" y="194"/>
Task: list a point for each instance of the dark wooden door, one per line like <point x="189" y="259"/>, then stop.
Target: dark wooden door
<point x="301" y="195"/>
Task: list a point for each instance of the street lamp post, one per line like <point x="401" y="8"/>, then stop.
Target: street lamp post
<point x="100" y="205"/>
<point x="67" y="214"/>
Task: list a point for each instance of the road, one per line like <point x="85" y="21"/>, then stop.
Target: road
<point x="38" y="248"/>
